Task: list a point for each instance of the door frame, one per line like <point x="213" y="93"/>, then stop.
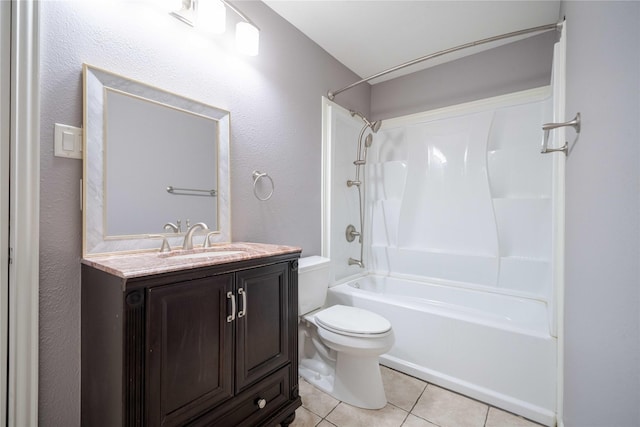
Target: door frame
<point x="5" y="105"/>
<point x="24" y="214"/>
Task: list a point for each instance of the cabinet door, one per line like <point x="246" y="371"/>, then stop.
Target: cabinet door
<point x="262" y="342"/>
<point x="189" y="349"/>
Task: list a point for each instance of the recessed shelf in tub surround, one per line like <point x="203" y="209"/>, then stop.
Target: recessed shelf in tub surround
<point x="148" y="263"/>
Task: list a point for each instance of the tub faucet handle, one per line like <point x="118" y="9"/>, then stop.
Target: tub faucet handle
<point x="351" y="233"/>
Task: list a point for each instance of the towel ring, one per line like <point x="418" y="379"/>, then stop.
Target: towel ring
<point x="256" y="177"/>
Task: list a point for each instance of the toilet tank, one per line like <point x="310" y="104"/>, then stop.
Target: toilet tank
<point x="313" y="282"/>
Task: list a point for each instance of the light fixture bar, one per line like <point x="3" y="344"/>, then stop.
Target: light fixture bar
<point x="186" y="13"/>
<point x="209" y="18"/>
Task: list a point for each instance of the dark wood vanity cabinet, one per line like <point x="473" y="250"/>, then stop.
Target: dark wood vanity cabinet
<point x="212" y="346"/>
<point x="190" y="349"/>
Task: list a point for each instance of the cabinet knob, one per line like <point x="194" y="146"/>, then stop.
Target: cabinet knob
<point x="261" y="403"/>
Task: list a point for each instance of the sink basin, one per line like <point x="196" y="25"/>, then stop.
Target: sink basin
<point x="209" y="254"/>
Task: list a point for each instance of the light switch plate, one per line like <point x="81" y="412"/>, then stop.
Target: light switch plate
<point x="67" y="141"/>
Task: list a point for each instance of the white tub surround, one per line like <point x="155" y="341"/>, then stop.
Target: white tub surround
<point x="463" y="230"/>
<point x="465" y="195"/>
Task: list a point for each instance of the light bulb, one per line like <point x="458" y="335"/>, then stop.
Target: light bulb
<point x="247" y="39"/>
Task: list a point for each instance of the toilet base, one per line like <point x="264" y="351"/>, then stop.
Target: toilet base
<point x="355" y="380"/>
<point x="343" y="366"/>
<point x="359" y="382"/>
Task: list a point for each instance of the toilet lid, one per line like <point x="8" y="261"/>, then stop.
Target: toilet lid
<point x="352" y="320"/>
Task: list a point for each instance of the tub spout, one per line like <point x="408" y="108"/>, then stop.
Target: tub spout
<point x="356" y="262"/>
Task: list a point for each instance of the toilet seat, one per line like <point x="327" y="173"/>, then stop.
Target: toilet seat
<point x="352" y="321"/>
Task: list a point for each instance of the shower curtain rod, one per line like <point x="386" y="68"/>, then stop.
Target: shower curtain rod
<point x="555" y="26"/>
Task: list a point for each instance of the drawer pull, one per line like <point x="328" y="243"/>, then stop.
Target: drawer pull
<point x="261" y="403"/>
<point x="232" y="316"/>
<point x="243" y="312"/>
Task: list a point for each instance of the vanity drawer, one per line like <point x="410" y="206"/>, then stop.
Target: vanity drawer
<point x="245" y="410"/>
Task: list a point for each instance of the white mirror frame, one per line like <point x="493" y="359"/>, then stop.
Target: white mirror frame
<point x="94" y="240"/>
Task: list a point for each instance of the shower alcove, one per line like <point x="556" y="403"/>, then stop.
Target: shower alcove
<point x="462" y="231"/>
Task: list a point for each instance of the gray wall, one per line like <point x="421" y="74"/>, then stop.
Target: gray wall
<point x="517" y="66"/>
<point x="602" y="324"/>
<point x="276" y="126"/>
<point x="275" y="106"/>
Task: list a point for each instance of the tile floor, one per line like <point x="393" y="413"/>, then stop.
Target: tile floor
<point x="411" y="403"/>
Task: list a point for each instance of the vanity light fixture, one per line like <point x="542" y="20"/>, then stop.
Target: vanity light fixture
<point x="210" y="16"/>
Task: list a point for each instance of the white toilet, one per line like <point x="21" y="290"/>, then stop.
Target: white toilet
<point x="339" y="345"/>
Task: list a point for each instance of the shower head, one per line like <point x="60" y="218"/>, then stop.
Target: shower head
<point x="368" y="140"/>
<point x="375" y="126"/>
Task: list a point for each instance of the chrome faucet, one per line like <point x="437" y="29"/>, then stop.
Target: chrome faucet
<point x="171" y="226"/>
<point x="188" y="238"/>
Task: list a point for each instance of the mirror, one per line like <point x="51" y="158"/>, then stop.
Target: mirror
<point x="151" y="158"/>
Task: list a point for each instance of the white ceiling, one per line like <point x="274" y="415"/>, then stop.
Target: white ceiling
<point x="372" y="36"/>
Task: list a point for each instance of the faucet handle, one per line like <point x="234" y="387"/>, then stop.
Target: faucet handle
<point x="171" y="226"/>
<point x="206" y="242"/>
<point x="165" y="243"/>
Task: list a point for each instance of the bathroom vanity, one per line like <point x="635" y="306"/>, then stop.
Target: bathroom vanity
<point x="198" y="338"/>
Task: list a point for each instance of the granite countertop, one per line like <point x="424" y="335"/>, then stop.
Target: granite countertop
<point x="147" y="263"/>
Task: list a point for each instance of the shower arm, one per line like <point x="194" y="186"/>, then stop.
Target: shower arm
<point x="555" y="26"/>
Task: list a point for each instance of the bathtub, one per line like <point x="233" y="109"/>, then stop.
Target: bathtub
<point x="492" y="347"/>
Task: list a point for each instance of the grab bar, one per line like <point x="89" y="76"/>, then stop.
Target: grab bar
<point x="548" y="127"/>
<point x="187" y="191"/>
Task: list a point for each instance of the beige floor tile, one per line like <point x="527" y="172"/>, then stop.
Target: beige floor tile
<point x="401" y="390"/>
<point x="413" y="421"/>
<point x="316" y="401"/>
<point x="326" y="423"/>
<point x="448" y="409"/>
<point x="349" y="416"/>
<point x="499" y="418"/>
<point x="305" y="418"/>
